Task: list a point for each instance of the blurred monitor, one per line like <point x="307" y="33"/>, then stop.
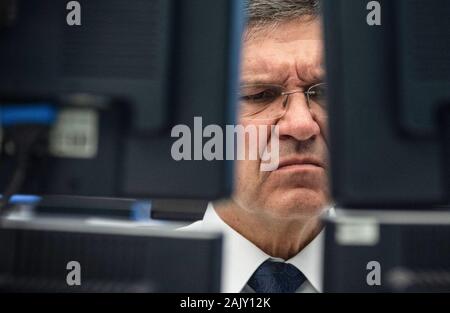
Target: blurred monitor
<point x="66" y="256"/>
<point x="137" y="210"/>
<point x="387" y="252"/>
<point x="389" y="98"/>
<point x="111" y="89"/>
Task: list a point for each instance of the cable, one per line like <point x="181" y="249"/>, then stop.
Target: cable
<point x="26" y="139"/>
<point x="26" y="128"/>
<point x="16" y="182"/>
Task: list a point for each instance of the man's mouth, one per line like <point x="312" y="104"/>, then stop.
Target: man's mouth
<point x="301" y="163"/>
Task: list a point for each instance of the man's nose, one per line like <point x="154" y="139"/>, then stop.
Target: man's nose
<point x="298" y="121"/>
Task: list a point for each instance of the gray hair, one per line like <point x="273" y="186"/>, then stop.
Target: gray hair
<point x="261" y="13"/>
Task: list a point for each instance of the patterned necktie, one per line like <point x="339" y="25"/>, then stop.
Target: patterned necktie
<point x="276" y="277"/>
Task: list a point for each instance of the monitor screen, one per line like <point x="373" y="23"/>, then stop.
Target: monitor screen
<point x="388" y="81"/>
<point x="107" y="89"/>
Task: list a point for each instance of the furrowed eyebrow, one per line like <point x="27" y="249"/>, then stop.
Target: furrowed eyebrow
<point x="311" y="73"/>
<point x="259" y="82"/>
<point x="270" y="77"/>
<point x="307" y="75"/>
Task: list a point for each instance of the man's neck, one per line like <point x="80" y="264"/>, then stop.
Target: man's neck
<point x="280" y="238"/>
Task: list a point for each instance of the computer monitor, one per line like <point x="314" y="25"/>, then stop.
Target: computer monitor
<point x="388" y="83"/>
<point x="153" y="211"/>
<point x="389" y="96"/>
<point x="67" y="256"/>
<point x="111" y="89"/>
<point x="387" y="252"/>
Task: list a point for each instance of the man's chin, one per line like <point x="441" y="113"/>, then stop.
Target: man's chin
<point x="299" y="203"/>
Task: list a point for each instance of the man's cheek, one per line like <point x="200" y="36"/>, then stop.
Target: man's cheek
<point x="247" y="174"/>
<point x="271" y="154"/>
<point x="245" y="180"/>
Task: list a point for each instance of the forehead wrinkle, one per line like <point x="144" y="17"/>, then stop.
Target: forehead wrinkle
<point x="284" y="59"/>
<point x="310" y="73"/>
<point x="292" y="72"/>
<point x="309" y="64"/>
<point x="265" y="69"/>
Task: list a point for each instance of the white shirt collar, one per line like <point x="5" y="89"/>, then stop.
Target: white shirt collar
<point x="241" y="257"/>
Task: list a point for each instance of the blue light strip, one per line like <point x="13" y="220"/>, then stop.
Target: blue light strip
<point x="38" y="113"/>
<point x="23" y="199"/>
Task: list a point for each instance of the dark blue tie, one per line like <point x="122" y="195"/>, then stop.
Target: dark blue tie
<point x="276" y="277"/>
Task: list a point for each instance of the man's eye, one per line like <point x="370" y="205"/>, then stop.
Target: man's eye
<point x="318" y="94"/>
<point x="261" y="97"/>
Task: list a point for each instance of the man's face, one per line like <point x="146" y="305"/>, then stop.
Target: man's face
<point x="290" y="56"/>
